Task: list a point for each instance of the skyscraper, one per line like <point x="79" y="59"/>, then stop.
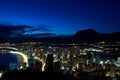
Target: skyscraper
<point x="49" y="63"/>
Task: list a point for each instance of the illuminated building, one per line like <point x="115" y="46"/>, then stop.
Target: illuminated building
<point x="113" y="75"/>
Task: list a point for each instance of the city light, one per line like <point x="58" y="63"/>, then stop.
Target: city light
<point x="24" y="57"/>
<point x="88" y="58"/>
<point x="43" y="66"/>
<point x="1" y="74"/>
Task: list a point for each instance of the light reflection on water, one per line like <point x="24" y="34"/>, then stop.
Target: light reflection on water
<point x="10" y="60"/>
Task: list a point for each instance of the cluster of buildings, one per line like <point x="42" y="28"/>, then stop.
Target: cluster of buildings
<point x="72" y="57"/>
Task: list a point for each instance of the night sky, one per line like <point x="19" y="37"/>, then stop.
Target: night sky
<point x="62" y="16"/>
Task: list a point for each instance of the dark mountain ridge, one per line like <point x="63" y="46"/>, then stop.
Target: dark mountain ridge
<point x="81" y="36"/>
<point x="91" y="36"/>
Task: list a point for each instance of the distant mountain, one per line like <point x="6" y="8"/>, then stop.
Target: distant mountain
<point x="81" y="36"/>
<point x="88" y="35"/>
<point x="91" y="36"/>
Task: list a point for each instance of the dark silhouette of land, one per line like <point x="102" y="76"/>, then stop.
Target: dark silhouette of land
<point x="91" y="36"/>
<point x="60" y="75"/>
<point x="16" y="34"/>
<point x="35" y="75"/>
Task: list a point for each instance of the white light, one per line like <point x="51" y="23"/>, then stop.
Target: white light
<point x="97" y="50"/>
<point x="54" y="55"/>
<point x="25" y="59"/>
<point x="1" y="74"/>
<point x="33" y="54"/>
<point x="101" y="62"/>
<point x="12" y="48"/>
<point x="74" y="68"/>
<point x="117" y="64"/>
<point x="62" y="67"/>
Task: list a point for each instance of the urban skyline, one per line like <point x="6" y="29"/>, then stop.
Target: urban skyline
<point x="60" y="39"/>
<point x="93" y="60"/>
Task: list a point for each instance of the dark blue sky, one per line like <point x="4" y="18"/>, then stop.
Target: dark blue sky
<point x="63" y="16"/>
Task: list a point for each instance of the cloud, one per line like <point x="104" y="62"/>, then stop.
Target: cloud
<point x="38" y="29"/>
<point x="19" y="30"/>
<point x="9" y="30"/>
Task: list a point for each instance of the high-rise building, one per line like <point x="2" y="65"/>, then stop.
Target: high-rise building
<point x="113" y="76"/>
<point x="97" y="59"/>
<point x="49" y="63"/>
